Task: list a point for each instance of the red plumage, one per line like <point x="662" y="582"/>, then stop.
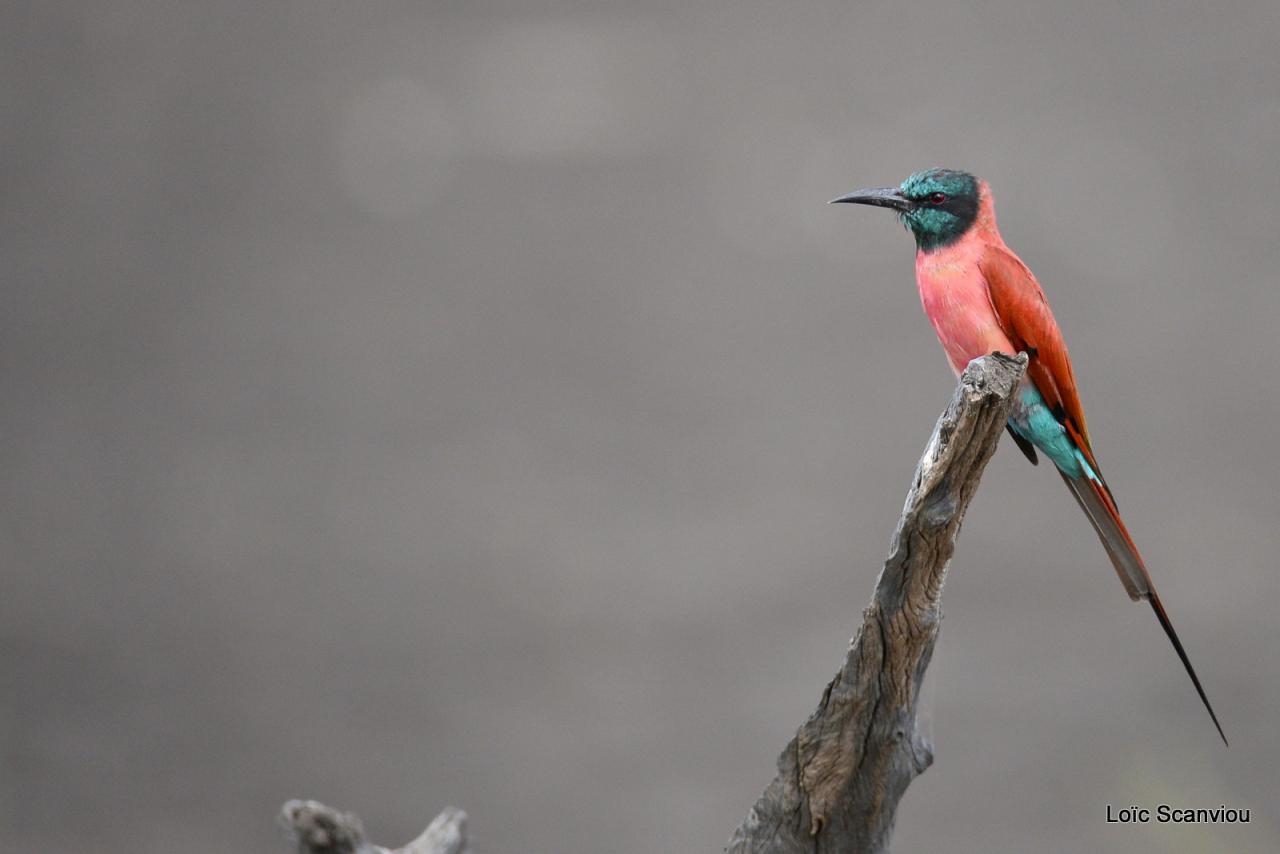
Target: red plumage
<point x="981" y="298"/>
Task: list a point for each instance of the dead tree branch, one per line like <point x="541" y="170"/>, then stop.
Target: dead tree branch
<point x="840" y="779"/>
<point x="318" y="829"/>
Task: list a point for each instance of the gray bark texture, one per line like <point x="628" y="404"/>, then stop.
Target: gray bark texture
<point x="840" y="779"/>
<point x="318" y="829"/>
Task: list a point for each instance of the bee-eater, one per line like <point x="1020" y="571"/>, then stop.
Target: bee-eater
<point x="982" y="299"/>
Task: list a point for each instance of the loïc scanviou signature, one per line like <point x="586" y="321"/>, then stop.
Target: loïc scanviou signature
<point x="1167" y="814"/>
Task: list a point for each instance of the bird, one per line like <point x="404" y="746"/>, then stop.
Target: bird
<point x="982" y="299"/>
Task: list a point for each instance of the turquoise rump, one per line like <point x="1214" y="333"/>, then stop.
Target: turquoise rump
<point x="1034" y="421"/>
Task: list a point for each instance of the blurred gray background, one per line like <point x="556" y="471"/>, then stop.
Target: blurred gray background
<point x="422" y="403"/>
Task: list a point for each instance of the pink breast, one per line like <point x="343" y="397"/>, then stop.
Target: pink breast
<point x="954" y="296"/>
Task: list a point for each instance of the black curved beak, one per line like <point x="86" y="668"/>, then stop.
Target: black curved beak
<point x="881" y="197"/>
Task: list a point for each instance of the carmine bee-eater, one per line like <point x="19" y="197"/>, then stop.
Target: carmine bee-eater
<point x="982" y="299"/>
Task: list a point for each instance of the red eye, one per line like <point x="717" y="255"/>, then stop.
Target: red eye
<point x="937" y="198"/>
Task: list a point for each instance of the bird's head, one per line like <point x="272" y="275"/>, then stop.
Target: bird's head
<point x="937" y="205"/>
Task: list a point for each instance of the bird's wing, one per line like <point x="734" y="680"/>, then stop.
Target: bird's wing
<point x="1024" y="315"/>
<point x="1027" y="321"/>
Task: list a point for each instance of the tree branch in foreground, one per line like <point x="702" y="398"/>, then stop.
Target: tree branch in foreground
<point x="840" y="779"/>
<point x="318" y="829"/>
